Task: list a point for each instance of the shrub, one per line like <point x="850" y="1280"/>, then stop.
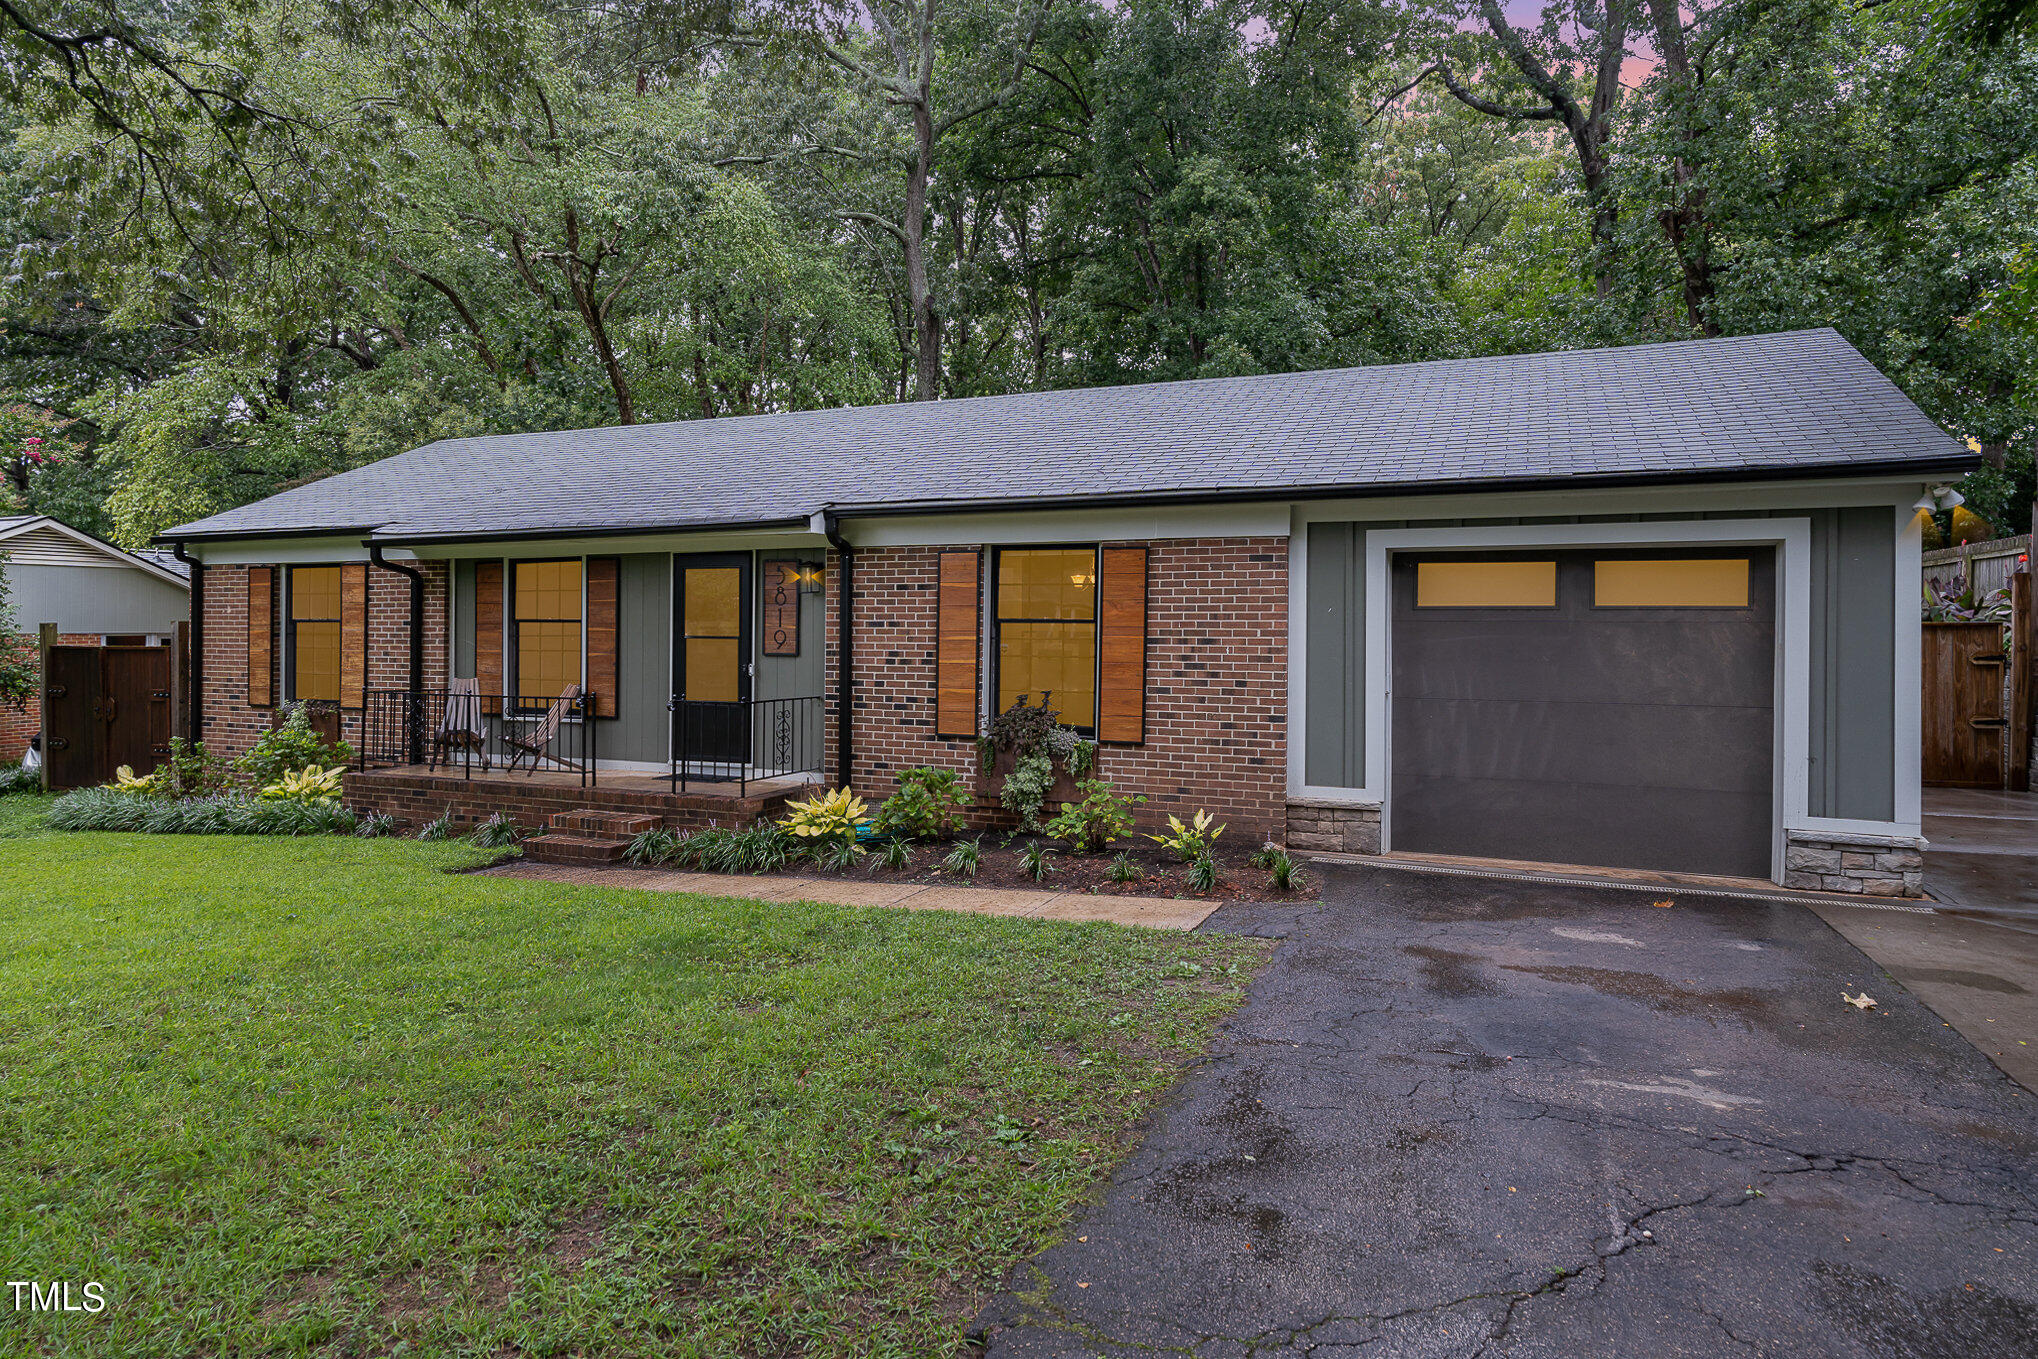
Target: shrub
<point x="1124" y="870"/>
<point x="103" y="809"/>
<point x="292" y="745"/>
<point x="194" y="771"/>
<point x="1192" y="841"/>
<point x="826" y="816"/>
<point x="1101" y="817"/>
<point x="965" y="859"/>
<point x="1036" y="860"/>
<point x="928" y="804"/>
<point x="496" y="833"/>
<point x="1203" y="872"/>
<point x="1026" y="788"/>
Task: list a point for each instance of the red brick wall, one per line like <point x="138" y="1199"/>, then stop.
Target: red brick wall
<point x="231" y="726"/>
<point x="1216" y="686"/>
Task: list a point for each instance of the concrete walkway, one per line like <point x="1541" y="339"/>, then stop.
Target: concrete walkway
<point x="1154" y="913"/>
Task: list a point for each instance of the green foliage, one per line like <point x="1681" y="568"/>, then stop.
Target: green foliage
<point x="1193" y="840"/>
<point x="193" y="771"/>
<point x="1036" y="861"/>
<point x="498" y="832"/>
<point x="965" y="858"/>
<point x="15" y="779"/>
<point x="19" y="663"/>
<point x="836" y="815"/>
<point x="375" y="826"/>
<point x="1203" y="872"/>
<point x="1025" y="789"/>
<point x="928" y="804"/>
<point x="106" y="809"/>
<point x="838" y="855"/>
<point x="895" y="857"/>
<point x="1282" y="871"/>
<point x="1123" y="870"/>
<point x="309" y="784"/>
<point x="440" y="827"/>
<point x="1101" y="817"/>
<point x="653" y="847"/>
<point x="292" y="745"/>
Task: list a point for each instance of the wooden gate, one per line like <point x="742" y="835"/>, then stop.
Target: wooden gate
<point x="104" y="706"/>
<point x="1964" y="717"/>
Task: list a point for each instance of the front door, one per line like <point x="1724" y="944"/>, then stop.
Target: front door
<point x="711" y="665"/>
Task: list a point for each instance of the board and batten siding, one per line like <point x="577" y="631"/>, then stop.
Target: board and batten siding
<point x="1853" y="671"/>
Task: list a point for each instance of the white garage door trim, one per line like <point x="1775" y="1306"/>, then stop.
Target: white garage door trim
<point x="1792" y="539"/>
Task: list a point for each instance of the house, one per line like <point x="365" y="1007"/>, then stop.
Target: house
<point x="1650" y="607"/>
<point x="96" y="594"/>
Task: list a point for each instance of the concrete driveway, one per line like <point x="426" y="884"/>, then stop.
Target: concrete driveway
<point x="1471" y="1117"/>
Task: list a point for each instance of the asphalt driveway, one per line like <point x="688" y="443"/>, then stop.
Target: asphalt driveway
<point x="1471" y="1117"/>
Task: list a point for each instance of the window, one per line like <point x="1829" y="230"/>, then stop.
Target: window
<point x="314" y="642"/>
<point x="1696" y="583"/>
<point x="1046" y="618"/>
<point x="547" y="617"/>
<point x="1486" y="585"/>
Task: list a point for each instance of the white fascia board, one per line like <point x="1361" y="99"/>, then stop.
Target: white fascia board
<point x="284" y="551"/>
<point x="1105" y="524"/>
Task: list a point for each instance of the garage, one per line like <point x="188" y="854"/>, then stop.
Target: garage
<point x="1606" y="707"/>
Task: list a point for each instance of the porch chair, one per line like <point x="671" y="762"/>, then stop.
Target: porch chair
<point x="531" y="745"/>
<point x="460" y="729"/>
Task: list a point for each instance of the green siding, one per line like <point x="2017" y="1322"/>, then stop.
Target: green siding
<point x="1853" y="687"/>
<point x="463" y="620"/>
<point x="641" y="728"/>
<point x="1334" y="750"/>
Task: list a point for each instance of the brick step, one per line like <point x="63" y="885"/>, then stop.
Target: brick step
<point x="575" y="849"/>
<point x="594" y="823"/>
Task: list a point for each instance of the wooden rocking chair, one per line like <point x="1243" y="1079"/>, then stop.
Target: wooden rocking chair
<point x="531" y="745"/>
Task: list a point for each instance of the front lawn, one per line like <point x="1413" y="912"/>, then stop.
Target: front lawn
<point x="323" y="1096"/>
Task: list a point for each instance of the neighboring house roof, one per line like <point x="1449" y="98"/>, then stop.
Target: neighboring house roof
<point x="1799" y="403"/>
<point x="39" y="540"/>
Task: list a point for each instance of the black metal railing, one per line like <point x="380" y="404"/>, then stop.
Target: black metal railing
<point x="744" y="741"/>
<point x="472" y="733"/>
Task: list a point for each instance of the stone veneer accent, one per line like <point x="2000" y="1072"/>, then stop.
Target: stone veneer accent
<point x="1869" y="865"/>
<point x="1337" y="827"/>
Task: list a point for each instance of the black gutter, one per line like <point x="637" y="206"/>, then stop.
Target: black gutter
<point x="1924" y="471"/>
<point x="195" y="699"/>
<point x="417" y="645"/>
<point x="237" y="535"/>
<point x="844" y="608"/>
<point x="598" y="531"/>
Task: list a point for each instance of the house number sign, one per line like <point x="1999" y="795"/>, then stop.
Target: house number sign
<point x="781" y="608"/>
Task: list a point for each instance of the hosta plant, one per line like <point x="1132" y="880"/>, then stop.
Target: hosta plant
<point x="826" y="816"/>
<point x="313" y="783"/>
<point x="125" y="781"/>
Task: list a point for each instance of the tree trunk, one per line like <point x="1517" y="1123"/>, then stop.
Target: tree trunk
<point x="926" y="320"/>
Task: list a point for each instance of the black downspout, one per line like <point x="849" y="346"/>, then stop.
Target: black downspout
<point x="844" y="608"/>
<point x="414" y="722"/>
<point x="195" y="699"/>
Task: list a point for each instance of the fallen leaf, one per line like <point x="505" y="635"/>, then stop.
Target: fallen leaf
<point x="1082" y="1285"/>
<point x="1664" y="905"/>
<point x="1864" y="1001"/>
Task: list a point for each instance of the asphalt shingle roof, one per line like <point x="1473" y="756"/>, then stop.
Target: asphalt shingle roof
<point x="1799" y="402"/>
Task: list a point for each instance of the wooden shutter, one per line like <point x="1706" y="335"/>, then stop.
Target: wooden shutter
<point x="604" y="584"/>
<point x="957" y="631"/>
<point x="488" y="630"/>
<point x="354" y="635"/>
<point x="261" y="636"/>
<point x="1121" y="645"/>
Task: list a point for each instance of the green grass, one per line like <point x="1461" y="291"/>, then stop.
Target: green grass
<point x="324" y="1096"/>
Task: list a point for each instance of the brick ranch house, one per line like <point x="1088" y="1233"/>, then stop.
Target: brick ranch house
<point x="1649" y="607"/>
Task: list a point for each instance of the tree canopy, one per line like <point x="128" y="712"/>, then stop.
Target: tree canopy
<point x="254" y="244"/>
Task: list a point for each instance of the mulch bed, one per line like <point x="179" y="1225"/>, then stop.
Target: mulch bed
<point x="1161" y="873"/>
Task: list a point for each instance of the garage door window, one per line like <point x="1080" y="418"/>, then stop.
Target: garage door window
<point x="1696" y="583"/>
<point x="1486" y="585"/>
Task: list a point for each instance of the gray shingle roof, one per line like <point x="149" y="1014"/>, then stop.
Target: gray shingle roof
<point x="1800" y="402"/>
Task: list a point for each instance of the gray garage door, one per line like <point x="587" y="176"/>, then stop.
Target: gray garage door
<point x="1605" y="708"/>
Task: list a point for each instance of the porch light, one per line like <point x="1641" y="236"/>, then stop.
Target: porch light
<point x="811" y="579"/>
<point x="1079" y="579"/>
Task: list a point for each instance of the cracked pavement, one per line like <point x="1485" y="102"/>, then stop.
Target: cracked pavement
<point x="1462" y="1117"/>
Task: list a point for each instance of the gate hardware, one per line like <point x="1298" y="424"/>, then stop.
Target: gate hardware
<point x="160" y="695"/>
<point x="1988" y="723"/>
<point x="59" y="743"/>
<point x="1995" y="658"/>
<point x="56" y="690"/>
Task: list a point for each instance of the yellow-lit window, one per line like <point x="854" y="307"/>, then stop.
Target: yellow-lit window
<point x="547" y="618"/>
<point x="1047" y="630"/>
<point x="315" y="632"/>
<point x="1486" y="585"/>
<point x="1695" y="583"/>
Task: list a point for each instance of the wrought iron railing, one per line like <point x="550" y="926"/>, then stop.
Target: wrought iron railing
<point x="745" y="741"/>
<point x="469" y="733"/>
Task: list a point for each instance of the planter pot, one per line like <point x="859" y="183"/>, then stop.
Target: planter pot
<point x="1063" y="790"/>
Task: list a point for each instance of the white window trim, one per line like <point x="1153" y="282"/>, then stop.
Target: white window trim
<point x="1791" y="539"/>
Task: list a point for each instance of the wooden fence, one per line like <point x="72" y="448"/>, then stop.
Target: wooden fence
<point x="1988" y="565"/>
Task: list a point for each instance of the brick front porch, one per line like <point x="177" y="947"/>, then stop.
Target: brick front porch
<point x="415" y="794"/>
